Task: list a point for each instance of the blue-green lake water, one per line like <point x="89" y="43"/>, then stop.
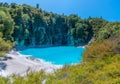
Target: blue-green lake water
<point x="57" y="55"/>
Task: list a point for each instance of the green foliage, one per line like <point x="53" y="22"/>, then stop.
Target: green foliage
<point x="97" y="24"/>
<point x="32" y="78"/>
<point x="6" y="24"/>
<point x="6" y="30"/>
<point x="34" y="24"/>
<point x="4" y="46"/>
<point x="108" y="31"/>
<point x="98" y="51"/>
<point x="4" y="80"/>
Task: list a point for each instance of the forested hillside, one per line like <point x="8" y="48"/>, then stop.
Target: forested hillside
<point x="23" y="25"/>
<point x="33" y="26"/>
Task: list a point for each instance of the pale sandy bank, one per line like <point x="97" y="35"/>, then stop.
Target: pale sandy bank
<point x="15" y="63"/>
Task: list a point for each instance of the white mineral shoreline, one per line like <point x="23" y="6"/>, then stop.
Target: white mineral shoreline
<point x="19" y="65"/>
<point x="81" y="46"/>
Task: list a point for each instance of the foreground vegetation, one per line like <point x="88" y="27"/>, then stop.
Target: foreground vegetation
<point x="101" y="59"/>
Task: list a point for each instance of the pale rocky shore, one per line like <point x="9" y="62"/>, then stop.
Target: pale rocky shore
<point x="17" y="64"/>
<point x="81" y="46"/>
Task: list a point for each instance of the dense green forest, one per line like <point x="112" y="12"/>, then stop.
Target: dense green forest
<point x="23" y="25"/>
<point x="33" y="26"/>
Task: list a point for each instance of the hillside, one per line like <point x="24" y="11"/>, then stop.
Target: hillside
<point x="30" y="25"/>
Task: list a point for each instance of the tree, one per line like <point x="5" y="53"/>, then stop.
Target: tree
<point x="37" y="6"/>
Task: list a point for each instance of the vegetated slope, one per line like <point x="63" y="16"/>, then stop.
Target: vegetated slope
<point x="6" y="30"/>
<point x="34" y="26"/>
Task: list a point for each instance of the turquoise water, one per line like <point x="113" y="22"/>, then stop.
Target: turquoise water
<point x="56" y="55"/>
